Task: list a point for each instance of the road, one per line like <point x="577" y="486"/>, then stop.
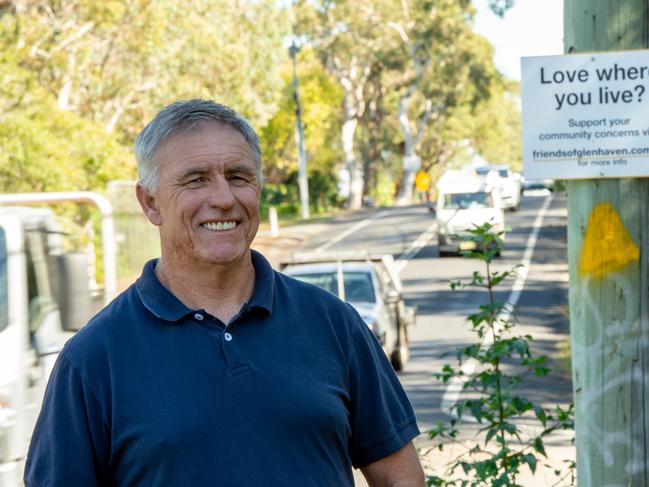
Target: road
<point x="441" y="327"/>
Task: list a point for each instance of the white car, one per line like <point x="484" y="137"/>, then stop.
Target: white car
<point x="373" y="288"/>
<point x="508" y="183"/>
<point x="463" y="203"/>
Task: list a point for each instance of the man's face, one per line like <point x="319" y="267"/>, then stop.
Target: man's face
<point x="207" y="200"/>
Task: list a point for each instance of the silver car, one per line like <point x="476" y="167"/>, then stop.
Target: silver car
<point x="373" y="288"/>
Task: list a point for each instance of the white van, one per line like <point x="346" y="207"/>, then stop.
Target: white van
<point x="464" y="202"/>
<point x="46" y="295"/>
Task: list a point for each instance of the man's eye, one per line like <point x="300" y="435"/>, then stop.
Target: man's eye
<point x="238" y="178"/>
<point x="198" y="180"/>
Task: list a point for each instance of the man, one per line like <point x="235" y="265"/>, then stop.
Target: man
<point x="213" y="369"/>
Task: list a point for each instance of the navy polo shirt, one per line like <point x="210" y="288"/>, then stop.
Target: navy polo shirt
<point x="294" y="391"/>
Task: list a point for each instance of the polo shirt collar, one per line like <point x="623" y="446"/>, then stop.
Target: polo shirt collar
<point x="264" y="291"/>
<point x="165" y="305"/>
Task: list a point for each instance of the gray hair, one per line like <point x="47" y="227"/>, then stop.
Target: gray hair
<point x="182" y="117"/>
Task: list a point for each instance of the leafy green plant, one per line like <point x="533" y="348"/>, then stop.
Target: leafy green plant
<point x="503" y="360"/>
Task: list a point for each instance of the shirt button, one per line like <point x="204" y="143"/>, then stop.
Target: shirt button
<point x="199" y="316"/>
<point x="228" y="337"/>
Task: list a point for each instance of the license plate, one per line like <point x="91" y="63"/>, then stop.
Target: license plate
<point x="467" y="245"/>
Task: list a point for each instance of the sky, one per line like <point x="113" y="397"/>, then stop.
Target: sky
<point x="529" y="28"/>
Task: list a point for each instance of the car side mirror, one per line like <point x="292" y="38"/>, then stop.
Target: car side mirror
<point x="392" y="296"/>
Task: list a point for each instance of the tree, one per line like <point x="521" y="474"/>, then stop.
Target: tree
<point x="117" y="61"/>
<point x="113" y="64"/>
<point x="46" y="149"/>
<point x="412" y="66"/>
<point x="497" y="127"/>
<point x="446" y="69"/>
<point x="321" y="96"/>
<point x="346" y="35"/>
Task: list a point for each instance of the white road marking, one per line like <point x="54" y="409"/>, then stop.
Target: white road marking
<point x="350" y="230"/>
<point x="456" y="385"/>
<point x="416" y="246"/>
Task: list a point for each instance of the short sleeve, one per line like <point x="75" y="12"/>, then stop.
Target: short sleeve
<point x="70" y="444"/>
<point x="382" y="418"/>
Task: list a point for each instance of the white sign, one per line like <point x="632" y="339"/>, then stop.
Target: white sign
<point x="411" y="163"/>
<point x="586" y="115"/>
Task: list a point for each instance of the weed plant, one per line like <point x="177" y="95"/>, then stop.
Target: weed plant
<point x="490" y="391"/>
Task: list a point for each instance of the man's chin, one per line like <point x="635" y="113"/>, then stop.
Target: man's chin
<point x="224" y="256"/>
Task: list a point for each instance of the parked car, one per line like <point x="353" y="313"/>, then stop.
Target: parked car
<point x="464" y="202"/>
<point x="538" y="184"/>
<point x="508" y="183"/>
<point x="373" y="287"/>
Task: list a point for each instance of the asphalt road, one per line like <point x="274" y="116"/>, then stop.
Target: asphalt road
<point x="441" y="325"/>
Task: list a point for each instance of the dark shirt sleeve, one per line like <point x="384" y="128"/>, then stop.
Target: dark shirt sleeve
<point x="382" y="418"/>
<point x="70" y="444"/>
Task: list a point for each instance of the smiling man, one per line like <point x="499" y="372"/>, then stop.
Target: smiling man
<point x="213" y="369"/>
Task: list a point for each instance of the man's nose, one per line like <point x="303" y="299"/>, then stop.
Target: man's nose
<point x="221" y="195"/>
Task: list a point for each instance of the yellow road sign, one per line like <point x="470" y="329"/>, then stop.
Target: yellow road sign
<point x="422" y="181"/>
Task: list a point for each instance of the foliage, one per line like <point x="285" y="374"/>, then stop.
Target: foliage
<point x="323" y="196"/>
<point x="117" y="61"/>
<point x="79" y="78"/>
<point x="46" y="149"/>
<point x="503" y="361"/>
<point x="423" y="52"/>
<point x="320" y="98"/>
<point x="347" y="36"/>
<point x="497" y="127"/>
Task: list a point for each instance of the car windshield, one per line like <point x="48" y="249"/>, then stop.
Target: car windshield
<point x="463" y="201"/>
<point x="483" y="171"/>
<point x="358" y="285"/>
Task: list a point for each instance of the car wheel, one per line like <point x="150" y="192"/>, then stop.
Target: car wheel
<point x="401" y="355"/>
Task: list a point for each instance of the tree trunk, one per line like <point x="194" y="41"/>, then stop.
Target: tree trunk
<point x="353" y="82"/>
<point x="410" y="158"/>
<point x="355" y="173"/>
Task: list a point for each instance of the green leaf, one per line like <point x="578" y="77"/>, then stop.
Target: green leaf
<point x="541" y="414"/>
<point x="521" y="404"/>
<point x="531" y="461"/>
<point x="538" y="446"/>
<point x="490" y="434"/>
<point x="476" y="409"/>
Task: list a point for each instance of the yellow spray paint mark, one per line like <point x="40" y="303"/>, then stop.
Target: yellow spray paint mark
<point x="607" y="243"/>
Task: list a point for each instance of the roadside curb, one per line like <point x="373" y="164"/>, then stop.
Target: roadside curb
<point x="280" y="248"/>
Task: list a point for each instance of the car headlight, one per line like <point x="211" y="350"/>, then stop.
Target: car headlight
<point x="373" y="325"/>
<point x="370" y="322"/>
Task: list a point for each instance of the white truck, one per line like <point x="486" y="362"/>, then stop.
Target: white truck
<point x="46" y="294"/>
<point x="465" y="201"/>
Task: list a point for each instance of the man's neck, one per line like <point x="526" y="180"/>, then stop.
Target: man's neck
<point x="221" y="290"/>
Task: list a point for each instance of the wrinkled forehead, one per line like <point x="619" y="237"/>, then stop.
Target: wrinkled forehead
<point x="183" y="137"/>
<point x="208" y="143"/>
<point x="198" y="127"/>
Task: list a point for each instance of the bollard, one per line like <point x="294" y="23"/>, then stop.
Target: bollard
<point x="274" y="225"/>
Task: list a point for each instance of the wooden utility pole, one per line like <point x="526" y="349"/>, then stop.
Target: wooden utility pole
<point x="608" y="239"/>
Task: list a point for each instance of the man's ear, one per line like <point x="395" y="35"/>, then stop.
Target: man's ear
<point x="148" y="203"/>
